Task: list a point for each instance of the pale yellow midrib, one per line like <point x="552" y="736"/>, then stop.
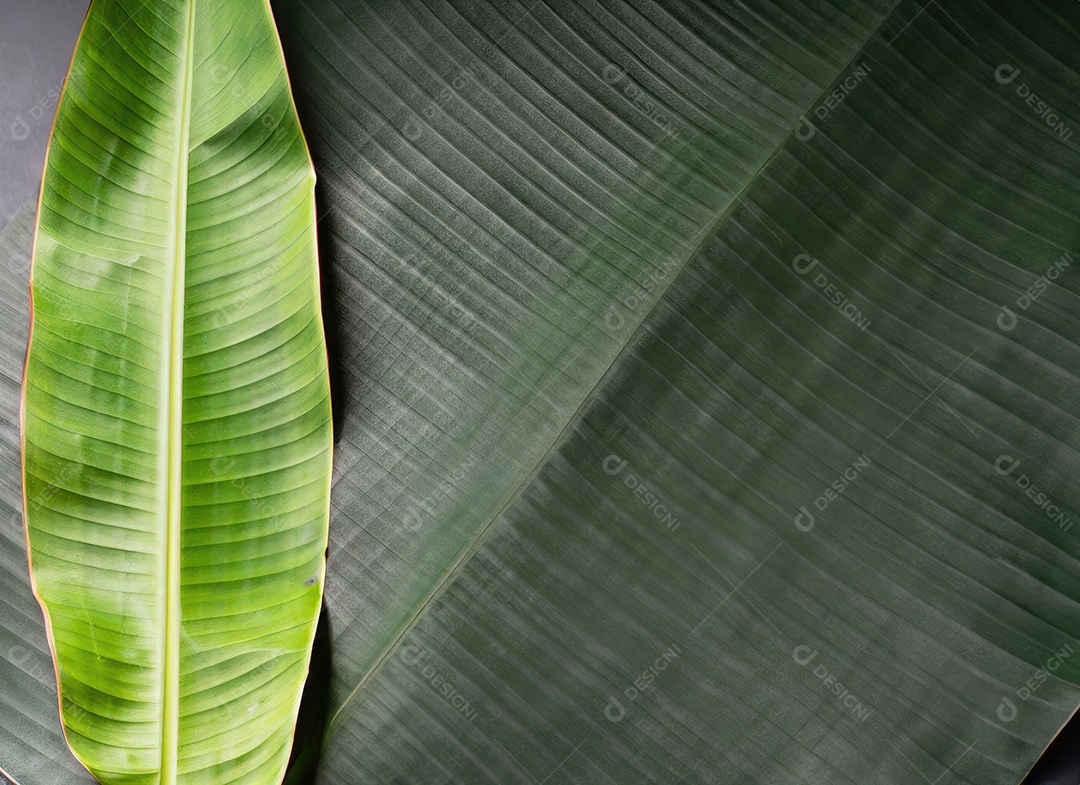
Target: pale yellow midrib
<point x="173" y="426"/>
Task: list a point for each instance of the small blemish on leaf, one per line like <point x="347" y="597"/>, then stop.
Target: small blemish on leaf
<point x="309" y="582"/>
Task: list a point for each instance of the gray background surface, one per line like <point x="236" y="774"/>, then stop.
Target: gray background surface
<point x="36" y="41"/>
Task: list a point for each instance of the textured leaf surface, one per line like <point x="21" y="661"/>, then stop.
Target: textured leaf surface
<point x="176" y="415"/>
<point x="649" y="611"/>
<point x="508" y="188"/>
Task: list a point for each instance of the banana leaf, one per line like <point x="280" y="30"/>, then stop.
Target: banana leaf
<point x="507" y="190"/>
<point x="176" y="421"/>
<point x="816" y="523"/>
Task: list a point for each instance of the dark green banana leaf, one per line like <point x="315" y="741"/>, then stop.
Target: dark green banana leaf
<point x="506" y="193"/>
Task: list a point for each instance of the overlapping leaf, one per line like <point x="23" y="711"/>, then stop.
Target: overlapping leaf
<point x="176" y="416"/>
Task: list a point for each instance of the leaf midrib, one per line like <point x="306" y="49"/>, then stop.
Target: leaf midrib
<point x="173" y="357"/>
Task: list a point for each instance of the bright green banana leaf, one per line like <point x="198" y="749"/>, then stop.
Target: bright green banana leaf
<point x="176" y="419"/>
<point x="510" y="189"/>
